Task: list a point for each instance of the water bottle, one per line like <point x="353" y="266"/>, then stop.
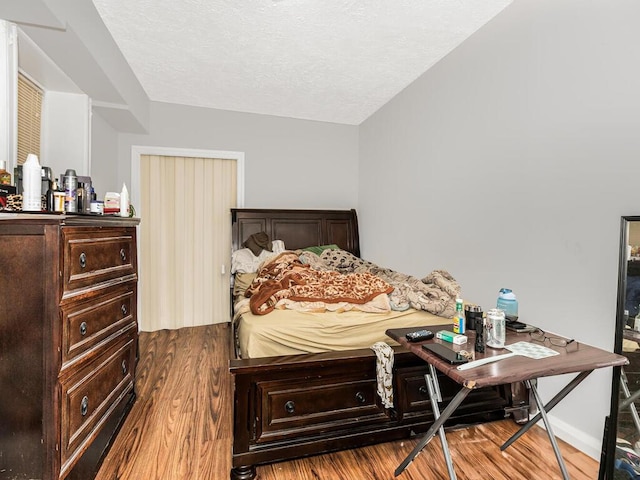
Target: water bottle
<point x="508" y="303"/>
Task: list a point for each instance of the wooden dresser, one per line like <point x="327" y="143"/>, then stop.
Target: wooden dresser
<point x="68" y="341"/>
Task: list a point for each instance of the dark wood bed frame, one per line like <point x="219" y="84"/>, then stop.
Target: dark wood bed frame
<point x="299" y="405"/>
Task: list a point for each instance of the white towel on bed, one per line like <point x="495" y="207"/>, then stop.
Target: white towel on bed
<point x="384" y="372"/>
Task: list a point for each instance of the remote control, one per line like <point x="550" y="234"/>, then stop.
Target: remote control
<point x="419" y="335"/>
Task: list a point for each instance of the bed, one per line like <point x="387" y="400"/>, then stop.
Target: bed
<point x="297" y="394"/>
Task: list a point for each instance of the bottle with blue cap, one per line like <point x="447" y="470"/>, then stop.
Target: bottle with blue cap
<point x="508" y="303"/>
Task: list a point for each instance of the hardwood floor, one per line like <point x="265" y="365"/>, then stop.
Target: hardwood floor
<point x="181" y="428"/>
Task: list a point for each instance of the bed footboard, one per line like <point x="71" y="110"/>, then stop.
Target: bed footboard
<point x="295" y="406"/>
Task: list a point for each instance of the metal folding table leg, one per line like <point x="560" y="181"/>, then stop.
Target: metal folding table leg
<point x="552" y="437"/>
<point x="439" y="422"/>
<point x="435" y="396"/>
<point x="552" y="403"/>
<point x="544" y="409"/>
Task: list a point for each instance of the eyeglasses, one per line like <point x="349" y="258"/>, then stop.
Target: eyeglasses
<point x="541" y="336"/>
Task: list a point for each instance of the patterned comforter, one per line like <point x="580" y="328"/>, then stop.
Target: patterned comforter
<point x="436" y="293"/>
<point x="304" y="280"/>
<point x="285" y="277"/>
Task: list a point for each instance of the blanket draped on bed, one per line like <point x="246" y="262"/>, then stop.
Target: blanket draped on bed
<point x="286" y="277"/>
<point x="436" y="293"/>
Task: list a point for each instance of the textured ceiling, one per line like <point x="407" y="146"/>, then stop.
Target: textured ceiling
<point x="332" y="60"/>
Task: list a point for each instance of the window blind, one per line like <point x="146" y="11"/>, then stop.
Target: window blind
<point x="29" y="118"/>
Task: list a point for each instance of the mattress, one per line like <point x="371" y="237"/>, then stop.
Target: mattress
<point x="289" y="332"/>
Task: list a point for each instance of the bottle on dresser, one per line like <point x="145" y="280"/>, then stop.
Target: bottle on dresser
<point x="70" y="184"/>
<point x="5" y="177"/>
<point x="124" y="201"/>
<point x="31" y="184"/>
<point x="80" y="198"/>
<point x="58" y="197"/>
<point x="50" y="199"/>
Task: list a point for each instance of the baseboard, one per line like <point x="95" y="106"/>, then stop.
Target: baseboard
<point x="577" y="438"/>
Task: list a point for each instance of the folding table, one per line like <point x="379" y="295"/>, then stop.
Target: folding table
<point x="581" y="361"/>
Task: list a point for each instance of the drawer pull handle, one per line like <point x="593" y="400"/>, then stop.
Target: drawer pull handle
<point x="423" y="390"/>
<point x="124" y="367"/>
<point x="123" y="254"/>
<point x="83" y="260"/>
<point x="360" y="397"/>
<point x="290" y="406"/>
<point x="124" y="309"/>
<point x="84" y="405"/>
<point x="83" y="328"/>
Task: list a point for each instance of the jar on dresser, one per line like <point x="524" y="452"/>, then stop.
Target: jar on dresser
<point x="68" y="341"/>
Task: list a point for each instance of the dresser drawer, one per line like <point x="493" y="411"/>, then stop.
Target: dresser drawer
<point x="88" y="323"/>
<point x="91" y="394"/>
<point x="414" y="394"/>
<point x="92" y="257"/>
<point x="312" y="406"/>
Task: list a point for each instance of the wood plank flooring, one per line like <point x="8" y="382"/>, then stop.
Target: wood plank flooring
<point x="181" y="429"/>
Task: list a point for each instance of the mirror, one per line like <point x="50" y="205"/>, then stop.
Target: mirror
<point x="621" y="446"/>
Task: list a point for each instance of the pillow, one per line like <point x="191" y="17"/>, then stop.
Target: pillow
<point x="318" y="249"/>
<point x="242" y="282"/>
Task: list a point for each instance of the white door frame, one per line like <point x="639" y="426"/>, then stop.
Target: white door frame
<point x="138" y="150"/>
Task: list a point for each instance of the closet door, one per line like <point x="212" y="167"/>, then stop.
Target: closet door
<point x="185" y="236"/>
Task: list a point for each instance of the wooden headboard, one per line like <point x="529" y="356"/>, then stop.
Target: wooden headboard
<point x="297" y="228"/>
